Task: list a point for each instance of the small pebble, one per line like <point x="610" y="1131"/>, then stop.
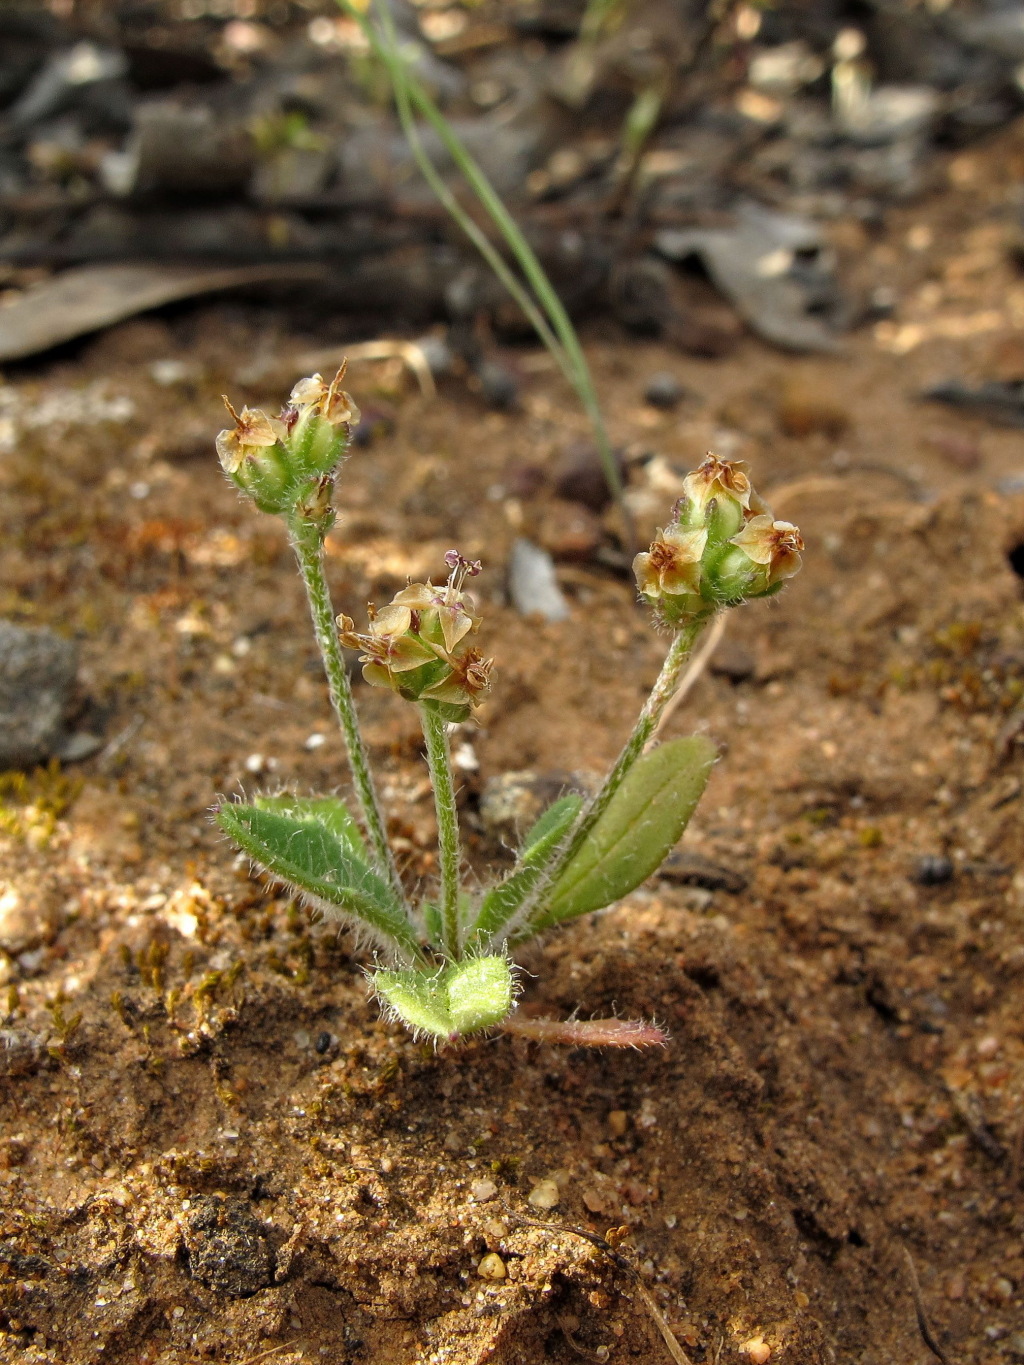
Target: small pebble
<point x="1001" y="1289"/>
<point x="664" y="391"/>
<point x="733" y="661"/>
<point x="323" y="1042"/>
<point x="482" y="1190"/>
<point x="499" y="386"/>
<point x="579" y="476"/>
<point x="437" y="353"/>
<point x="618" y="1122"/>
<point x="491" y="1267"/>
<point x="544" y="1195"/>
<point x="37" y="676"/>
<point x="933" y="870"/>
<point x="804" y="410"/>
<point x="757" y="1349"/>
<point x="569" y="531"/>
<point x="532" y="584"/>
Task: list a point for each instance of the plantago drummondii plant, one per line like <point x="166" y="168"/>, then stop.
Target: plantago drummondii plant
<point x="444" y="964"/>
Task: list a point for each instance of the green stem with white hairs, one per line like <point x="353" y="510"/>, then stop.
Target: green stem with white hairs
<point x="527" y="919"/>
<point x="307" y="538"/>
<point x="439" y="762"/>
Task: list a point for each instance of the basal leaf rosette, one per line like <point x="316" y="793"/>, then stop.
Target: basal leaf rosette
<point x="723" y="546"/>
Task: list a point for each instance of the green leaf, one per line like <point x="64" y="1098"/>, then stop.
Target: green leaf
<point x="502" y="901"/>
<point x="463" y="997"/>
<point x="431" y="913"/>
<point x="419" y="999"/>
<point x="479" y="993"/>
<point x="310" y="855"/>
<point x="643" y="821"/>
<point x="329" y="811"/>
<point x="551" y="826"/>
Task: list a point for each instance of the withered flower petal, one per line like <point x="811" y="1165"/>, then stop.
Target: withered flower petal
<point x="469" y="680"/>
<point x="329" y="401"/>
<point x="774" y="544"/>
<point x="672" y="564"/>
<point x="253" y="431"/>
<point x="717" y="478"/>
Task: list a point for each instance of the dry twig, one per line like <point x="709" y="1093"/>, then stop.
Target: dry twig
<point x="927" y="1335"/>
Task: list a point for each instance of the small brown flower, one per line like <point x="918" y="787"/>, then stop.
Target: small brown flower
<point x="469" y="680"/>
<point x="672" y="564"/>
<point x="454" y="609"/>
<point x="330" y="401"/>
<point x="388" y="646"/>
<point x="253" y="431"/>
<point x="776" y="545"/>
<point x="717" y="478"/>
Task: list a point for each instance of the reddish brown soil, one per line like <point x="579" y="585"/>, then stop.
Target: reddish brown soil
<point x="185" y="1177"/>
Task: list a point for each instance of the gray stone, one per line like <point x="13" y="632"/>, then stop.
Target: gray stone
<point x="37" y="674"/>
<point x="532" y="584"/>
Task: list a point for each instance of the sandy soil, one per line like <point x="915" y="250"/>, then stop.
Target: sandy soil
<point x="211" y="1148"/>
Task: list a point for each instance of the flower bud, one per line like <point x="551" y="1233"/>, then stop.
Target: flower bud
<point x="417" y="645"/>
<point x="723" y="547"/>
<point x="286" y="464"/>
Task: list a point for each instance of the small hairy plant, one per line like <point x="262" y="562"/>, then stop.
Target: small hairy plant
<point x="444" y="965"/>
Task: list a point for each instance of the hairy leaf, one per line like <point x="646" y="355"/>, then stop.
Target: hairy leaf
<point x="463" y="997"/>
<point x="502" y="901"/>
<point x="418" y="998"/>
<point x="479" y="993"/>
<point x="643" y="821"/>
<point x="311" y="856"/>
<point x="329" y="811"/>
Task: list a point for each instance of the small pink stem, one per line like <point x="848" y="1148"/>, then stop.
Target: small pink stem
<point x="588" y="1032"/>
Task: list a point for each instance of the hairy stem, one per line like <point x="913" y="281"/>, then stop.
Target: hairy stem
<point x="439" y="763"/>
<point x="647" y="723"/>
<point x="307" y="539"/>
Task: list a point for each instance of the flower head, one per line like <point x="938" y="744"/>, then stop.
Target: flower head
<point x="417" y="644"/>
<point x="287" y="464"/>
<point x="723" y="546"/>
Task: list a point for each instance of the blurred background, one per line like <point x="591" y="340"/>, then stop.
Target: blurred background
<point x="788" y="232"/>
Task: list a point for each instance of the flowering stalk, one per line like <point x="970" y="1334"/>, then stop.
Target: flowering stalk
<point x="531" y="917"/>
<point x="435" y="733"/>
<point x="723" y="547"/>
<point x="307" y="540"/>
<point x="287" y="466"/>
